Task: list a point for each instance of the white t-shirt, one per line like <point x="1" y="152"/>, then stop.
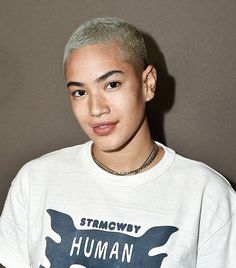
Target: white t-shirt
<point x="64" y="211"/>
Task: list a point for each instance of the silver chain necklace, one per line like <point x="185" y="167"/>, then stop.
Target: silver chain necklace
<point x="147" y="162"/>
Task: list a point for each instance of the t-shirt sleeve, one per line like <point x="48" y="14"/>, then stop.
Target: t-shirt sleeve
<point x="219" y="250"/>
<point x="217" y="239"/>
<point x="14" y="225"/>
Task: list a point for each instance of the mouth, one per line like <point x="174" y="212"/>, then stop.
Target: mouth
<point x="104" y="128"/>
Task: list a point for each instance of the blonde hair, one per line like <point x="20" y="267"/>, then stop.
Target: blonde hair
<point x="107" y="30"/>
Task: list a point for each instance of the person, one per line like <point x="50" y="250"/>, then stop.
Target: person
<point x="121" y="199"/>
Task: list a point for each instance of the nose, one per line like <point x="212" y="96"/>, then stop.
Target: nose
<point x="98" y="105"/>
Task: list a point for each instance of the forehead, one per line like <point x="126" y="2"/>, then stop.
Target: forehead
<point x="94" y="60"/>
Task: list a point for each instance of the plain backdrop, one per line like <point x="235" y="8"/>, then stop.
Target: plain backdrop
<point x="192" y="44"/>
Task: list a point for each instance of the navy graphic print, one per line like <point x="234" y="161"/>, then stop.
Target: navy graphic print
<point x="94" y="248"/>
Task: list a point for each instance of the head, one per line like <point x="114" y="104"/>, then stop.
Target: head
<point x="109" y="30"/>
<point x="109" y="82"/>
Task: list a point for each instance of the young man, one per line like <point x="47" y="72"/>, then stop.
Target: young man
<point x="121" y="199"/>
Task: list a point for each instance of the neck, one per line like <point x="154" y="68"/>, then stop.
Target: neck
<point x="144" y="165"/>
<point x="128" y="157"/>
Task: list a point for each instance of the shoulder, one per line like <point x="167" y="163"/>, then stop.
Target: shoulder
<point x="60" y="160"/>
<point x="198" y="172"/>
<point x="67" y="153"/>
<point x="195" y="176"/>
<point x="218" y="196"/>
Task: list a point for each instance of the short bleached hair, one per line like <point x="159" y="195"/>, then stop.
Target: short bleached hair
<point x="109" y="30"/>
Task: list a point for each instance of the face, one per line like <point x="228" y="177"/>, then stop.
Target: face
<point x="108" y="96"/>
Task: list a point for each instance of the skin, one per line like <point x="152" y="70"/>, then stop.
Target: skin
<point x="108" y="98"/>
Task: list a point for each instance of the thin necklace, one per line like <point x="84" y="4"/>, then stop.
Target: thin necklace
<point x="147" y="162"/>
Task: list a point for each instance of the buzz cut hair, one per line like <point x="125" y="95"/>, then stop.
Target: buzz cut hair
<point x="110" y="30"/>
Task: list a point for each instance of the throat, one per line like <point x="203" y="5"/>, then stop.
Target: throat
<point x="135" y="163"/>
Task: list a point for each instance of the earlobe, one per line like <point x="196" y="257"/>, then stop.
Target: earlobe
<point x="150" y="79"/>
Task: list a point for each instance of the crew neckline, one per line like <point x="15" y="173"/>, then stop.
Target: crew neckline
<point x="140" y="178"/>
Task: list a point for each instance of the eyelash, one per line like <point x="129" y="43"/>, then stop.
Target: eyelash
<point x="117" y="84"/>
<point x="83" y="92"/>
<point x="78" y="91"/>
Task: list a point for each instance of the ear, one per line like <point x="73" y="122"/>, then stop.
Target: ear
<point x="149" y="77"/>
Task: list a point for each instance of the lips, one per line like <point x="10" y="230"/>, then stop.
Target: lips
<point x="104" y="128"/>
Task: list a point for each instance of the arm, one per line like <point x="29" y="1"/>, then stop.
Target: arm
<point x="217" y="232"/>
<point x="219" y="250"/>
<point x="14" y="225"/>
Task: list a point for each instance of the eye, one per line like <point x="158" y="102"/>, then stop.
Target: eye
<point x="78" y="93"/>
<point x="113" y="84"/>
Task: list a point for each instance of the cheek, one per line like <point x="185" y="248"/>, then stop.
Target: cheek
<point x="130" y="97"/>
<point x="78" y="112"/>
<point x="135" y="102"/>
<point x="74" y="108"/>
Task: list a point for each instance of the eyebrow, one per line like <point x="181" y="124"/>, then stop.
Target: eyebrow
<point x="106" y="75"/>
<point x="99" y="79"/>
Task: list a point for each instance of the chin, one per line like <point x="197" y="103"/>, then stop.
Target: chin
<point x="107" y="147"/>
<point x="111" y="143"/>
<point x="108" y="144"/>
